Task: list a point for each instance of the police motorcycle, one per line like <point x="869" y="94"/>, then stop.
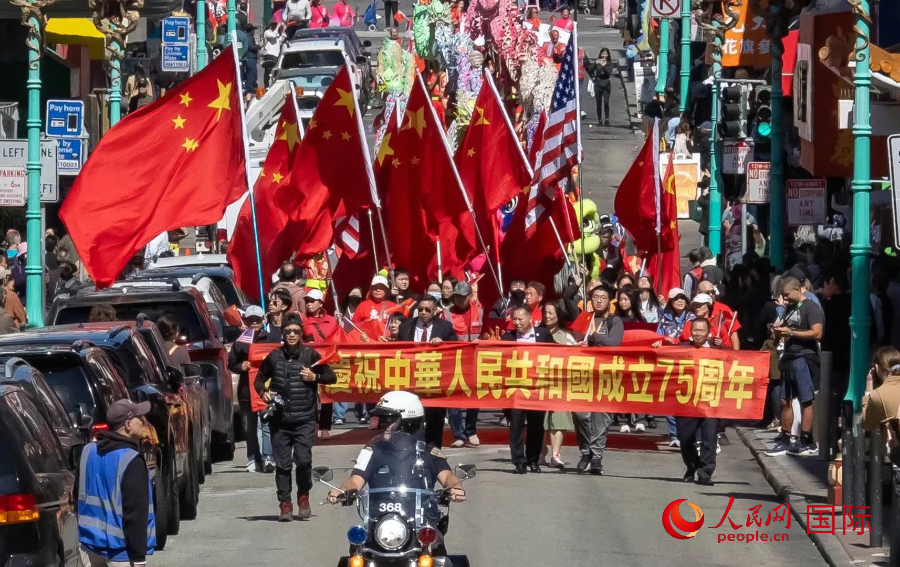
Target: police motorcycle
<point x="403" y="524"/>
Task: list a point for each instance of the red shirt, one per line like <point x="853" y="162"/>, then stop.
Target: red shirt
<point x="713" y="333"/>
<point x="320" y="328"/>
<point x="536" y="22"/>
<point x="371" y="310"/>
<point x="319" y="16"/>
<point x="565" y="24"/>
<point x="727" y="316"/>
<point x="344" y="13"/>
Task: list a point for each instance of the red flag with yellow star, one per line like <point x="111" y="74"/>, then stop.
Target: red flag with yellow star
<point x="332" y="176"/>
<point x="277" y="234"/>
<point x="174" y="163"/>
<point x="492" y="166"/>
<point x="665" y="263"/>
<point x="423" y="198"/>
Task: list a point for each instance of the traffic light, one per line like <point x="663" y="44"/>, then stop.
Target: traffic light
<point x="733" y="112"/>
<point x="762" y="112"/>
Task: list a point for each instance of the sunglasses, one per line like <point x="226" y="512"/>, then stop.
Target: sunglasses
<point x="292" y="331"/>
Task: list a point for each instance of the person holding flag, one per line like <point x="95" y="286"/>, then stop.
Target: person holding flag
<point x="376" y="307"/>
<point x="239" y="363"/>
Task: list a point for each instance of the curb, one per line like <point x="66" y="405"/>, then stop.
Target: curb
<point x="779" y="479"/>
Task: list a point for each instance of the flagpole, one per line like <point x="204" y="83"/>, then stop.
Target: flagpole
<point x="374" y="247"/>
<point x="658" y="197"/>
<point x="440" y="266"/>
<point x="459" y="183"/>
<point x="561" y="245"/>
<point x="577" y="80"/>
<point x="370" y="174"/>
<point x="334" y="294"/>
<point x="237" y="65"/>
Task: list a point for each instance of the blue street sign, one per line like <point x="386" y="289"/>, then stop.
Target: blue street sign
<point x="70" y="156"/>
<point x="65" y="118"/>
<point x="175" y="58"/>
<point x="175" y="29"/>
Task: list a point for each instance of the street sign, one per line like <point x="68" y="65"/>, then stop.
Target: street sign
<point x="665" y="8"/>
<point x="176" y="58"/>
<point x="734" y="156"/>
<point x="175" y="29"/>
<point x="894" y="161"/>
<point x="70" y="155"/>
<point x="758" y="182"/>
<point x="65" y="119"/>
<point x="806" y="201"/>
<point x="13" y="180"/>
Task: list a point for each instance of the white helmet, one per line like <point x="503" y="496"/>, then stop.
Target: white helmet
<point x="406" y="405"/>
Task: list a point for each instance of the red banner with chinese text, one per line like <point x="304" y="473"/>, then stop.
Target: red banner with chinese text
<point x="678" y="381"/>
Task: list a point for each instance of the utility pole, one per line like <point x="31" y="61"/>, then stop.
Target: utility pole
<point x="685" y="71"/>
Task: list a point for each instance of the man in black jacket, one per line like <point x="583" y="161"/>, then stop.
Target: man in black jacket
<point x="295" y="376"/>
<point x="425" y="328"/>
<point x="525" y="454"/>
<point x="239" y="363"/>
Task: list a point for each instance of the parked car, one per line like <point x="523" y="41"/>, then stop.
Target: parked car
<point x="176" y="476"/>
<point x="200" y="338"/>
<point x="16" y="370"/>
<point x="191" y="385"/>
<point x="38" y="520"/>
<point x="313" y="64"/>
<point x="215" y="301"/>
<point x="221" y="274"/>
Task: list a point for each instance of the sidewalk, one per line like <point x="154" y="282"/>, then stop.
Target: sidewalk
<point x="802" y="482"/>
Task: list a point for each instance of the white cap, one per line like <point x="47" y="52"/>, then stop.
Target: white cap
<point x="254" y="311"/>
<point x="380" y="280"/>
<point x="702" y="298"/>
<point x="675" y="292"/>
<point x="314" y="295"/>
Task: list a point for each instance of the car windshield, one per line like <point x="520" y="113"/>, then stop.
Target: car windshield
<point x="300" y="59"/>
<point x="318" y="80"/>
<point x="68" y="380"/>
<point x="183" y="312"/>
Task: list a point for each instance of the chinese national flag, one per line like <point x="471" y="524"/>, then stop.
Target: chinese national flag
<point x="492" y="167"/>
<point x="177" y="162"/>
<point x="636" y="201"/>
<point x="422" y="196"/>
<point x="332" y="176"/>
<point x="665" y="265"/>
<point x="277" y="234"/>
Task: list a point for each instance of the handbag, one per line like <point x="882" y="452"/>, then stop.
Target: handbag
<point x="590" y="88"/>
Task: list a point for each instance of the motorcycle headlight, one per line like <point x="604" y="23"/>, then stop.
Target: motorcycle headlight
<point x="391" y="533"/>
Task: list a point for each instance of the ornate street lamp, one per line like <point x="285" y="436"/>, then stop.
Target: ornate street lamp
<point x="115" y="20"/>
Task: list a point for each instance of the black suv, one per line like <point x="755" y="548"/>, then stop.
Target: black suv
<point x="135" y="364"/>
<point x="38" y="521"/>
<point x="190" y="311"/>
<point x="65" y="424"/>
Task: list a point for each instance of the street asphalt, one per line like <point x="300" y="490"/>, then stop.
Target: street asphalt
<point x="553" y="518"/>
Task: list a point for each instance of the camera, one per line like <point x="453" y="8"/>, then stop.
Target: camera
<point x="272" y="409"/>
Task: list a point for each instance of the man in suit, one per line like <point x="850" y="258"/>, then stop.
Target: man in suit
<point x="425" y="328"/>
<point x="526" y="453"/>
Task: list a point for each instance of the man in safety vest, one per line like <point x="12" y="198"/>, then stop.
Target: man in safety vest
<point x="115" y="507"/>
<point x="466" y="316"/>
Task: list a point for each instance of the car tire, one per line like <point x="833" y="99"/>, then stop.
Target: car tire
<point x="223" y="449"/>
<point x="173" y="506"/>
<point x="160" y="510"/>
<point x="190" y="496"/>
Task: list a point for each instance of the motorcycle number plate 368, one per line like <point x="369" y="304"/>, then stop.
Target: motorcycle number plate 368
<point x="391" y="507"/>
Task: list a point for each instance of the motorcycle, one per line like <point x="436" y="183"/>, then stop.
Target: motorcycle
<point x="401" y="526"/>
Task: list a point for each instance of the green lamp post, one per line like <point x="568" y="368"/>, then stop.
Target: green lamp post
<point x="715" y="196"/>
<point x="232" y="19"/>
<point x="685" y="71"/>
<point x="662" y="63"/>
<point x="861" y="247"/>
<point x="115" y="20"/>
<point x="201" y="34"/>
<point x="33" y="18"/>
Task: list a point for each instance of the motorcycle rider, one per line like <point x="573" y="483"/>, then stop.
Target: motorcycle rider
<point x="404" y="413"/>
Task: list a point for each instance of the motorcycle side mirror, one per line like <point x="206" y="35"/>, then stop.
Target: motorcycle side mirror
<point x="322" y="474"/>
<point x="464" y="472"/>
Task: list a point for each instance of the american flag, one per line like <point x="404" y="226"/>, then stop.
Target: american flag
<point x="246" y="337"/>
<point x="561" y="147"/>
<point x="347" y="231"/>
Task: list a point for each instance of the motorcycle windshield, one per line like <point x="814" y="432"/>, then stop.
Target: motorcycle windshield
<point x="409" y="503"/>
